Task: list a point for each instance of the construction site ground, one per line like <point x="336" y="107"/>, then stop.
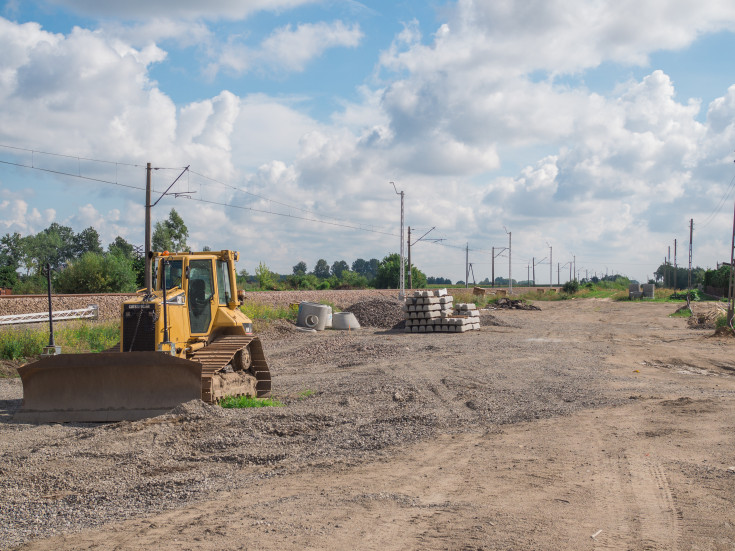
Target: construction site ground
<point x="589" y="424"/>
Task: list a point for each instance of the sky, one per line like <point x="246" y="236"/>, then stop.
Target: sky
<point x="588" y="131"/>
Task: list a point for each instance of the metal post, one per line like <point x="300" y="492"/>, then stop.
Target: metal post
<point x="533" y="262"/>
<point x="467" y="266"/>
<point x="493" y="269"/>
<point x="51" y="349"/>
<point x="558" y="273"/>
<point x="510" y="277"/>
<point x="148" y="267"/>
<point x="165" y="309"/>
<point x="551" y="263"/>
<point x="408" y="242"/>
<point x="50" y="312"/>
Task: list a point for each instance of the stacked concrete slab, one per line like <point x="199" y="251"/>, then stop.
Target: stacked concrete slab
<point x="435" y="312"/>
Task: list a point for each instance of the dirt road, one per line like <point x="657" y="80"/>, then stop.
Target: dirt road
<point x="586" y="425"/>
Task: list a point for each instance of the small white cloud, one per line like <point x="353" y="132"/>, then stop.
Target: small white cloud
<point x="286" y="49"/>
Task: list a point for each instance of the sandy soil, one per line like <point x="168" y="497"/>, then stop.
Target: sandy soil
<point x="586" y="425"/>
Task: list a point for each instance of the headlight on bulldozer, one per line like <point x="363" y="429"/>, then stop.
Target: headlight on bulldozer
<point x="248" y="327"/>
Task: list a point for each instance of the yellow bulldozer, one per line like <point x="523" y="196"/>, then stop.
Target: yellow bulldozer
<point x="182" y="338"/>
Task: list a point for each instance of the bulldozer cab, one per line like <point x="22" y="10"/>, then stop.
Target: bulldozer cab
<point x="207" y="283"/>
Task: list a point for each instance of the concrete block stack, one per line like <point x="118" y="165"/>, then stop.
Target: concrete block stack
<point x="435" y="312"/>
<point x="634" y="291"/>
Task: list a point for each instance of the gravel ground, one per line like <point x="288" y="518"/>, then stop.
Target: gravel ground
<point x="350" y="397"/>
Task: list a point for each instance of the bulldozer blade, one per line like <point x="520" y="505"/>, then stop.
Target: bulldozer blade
<point x="106" y="387"/>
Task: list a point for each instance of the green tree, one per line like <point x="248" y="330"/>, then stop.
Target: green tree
<point x="718" y="278"/>
<point x="338" y="267"/>
<point x="389" y="273"/>
<point x="266" y="278"/>
<point x="361" y="266"/>
<point x="121" y="247"/>
<point x="171" y="234"/>
<point x="321" y="270"/>
<point x="10" y="253"/>
<point x="88" y="240"/>
<point x="300" y="268"/>
<point x="54" y="246"/>
<point x="353" y="280"/>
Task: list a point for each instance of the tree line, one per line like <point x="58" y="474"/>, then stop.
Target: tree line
<point x="80" y="264"/>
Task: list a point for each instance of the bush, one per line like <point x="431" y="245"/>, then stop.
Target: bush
<point x="266" y="278"/>
<point x="571" y="287"/>
<point x="97" y="273"/>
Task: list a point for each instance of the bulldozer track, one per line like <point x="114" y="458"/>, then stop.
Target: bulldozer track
<point x="215" y="356"/>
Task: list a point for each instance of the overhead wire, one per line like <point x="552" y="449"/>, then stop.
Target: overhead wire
<point x="326" y="220"/>
<point x="717" y="209"/>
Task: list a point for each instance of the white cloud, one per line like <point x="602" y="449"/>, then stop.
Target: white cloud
<point x="287" y="49"/>
<point x="185" y="9"/>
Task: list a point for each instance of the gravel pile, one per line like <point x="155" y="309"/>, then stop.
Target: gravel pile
<point x="384" y="313"/>
<point x="514" y="304"/>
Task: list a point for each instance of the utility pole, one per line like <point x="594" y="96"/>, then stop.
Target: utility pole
<point x="493" y="269"/>
<point x="675" y="271"/>
<point x="533" y="261"/>
<point x="558" y="272"/>
<point x="510" y="277"/>
<point x="402" y="270"/>
<point x="689" y="276"/>
<point x="575" y="265"/>
<point x="408" y="242"/>
<point x="467" y="266"/>
<point x="550" y="266"/>
<point x="528" y="274"/>
<point x="148" y="270"/>
<point x="732" y="277"/>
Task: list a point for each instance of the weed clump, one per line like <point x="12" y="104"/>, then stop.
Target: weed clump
<point x="248" y="402"/>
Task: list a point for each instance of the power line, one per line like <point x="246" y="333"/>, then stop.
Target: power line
<point x="78" y="158"/>
<point x="717" y="209"/>
<point x="209" y="201"/>
<point x="263" y="197"/>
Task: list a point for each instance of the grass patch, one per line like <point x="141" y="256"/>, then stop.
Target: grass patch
<point x="263" y="315"/>
<point x="260" y="311"/>
<point x="18" y="344"/>
<point x="82" y="337"/>
<point x="721" y="321"/>
<point x="248" y="402"/>
<point x="306" y="393"/>
<point x="682" y="313"/>
<point x="73" y="338"/>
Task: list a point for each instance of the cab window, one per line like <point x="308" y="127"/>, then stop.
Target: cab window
<point x="223" y="281"/>
<point x="173" y="273"/>
<point x="201" y="289"/>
